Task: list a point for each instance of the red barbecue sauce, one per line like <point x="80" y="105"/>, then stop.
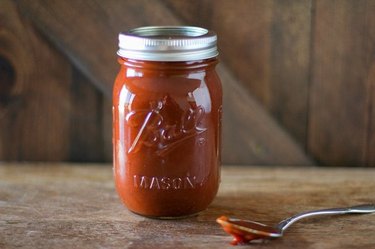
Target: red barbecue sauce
<point x="166" y="136"/>
<point x="245" y="231"/>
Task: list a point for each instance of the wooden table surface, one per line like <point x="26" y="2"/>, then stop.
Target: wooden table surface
<point x="76" y="206"/>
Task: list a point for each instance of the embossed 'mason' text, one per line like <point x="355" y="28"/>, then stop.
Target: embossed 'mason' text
<point x="164" y="183"/>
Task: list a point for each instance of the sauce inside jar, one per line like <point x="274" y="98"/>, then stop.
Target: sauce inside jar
<point x="167" y="123"/>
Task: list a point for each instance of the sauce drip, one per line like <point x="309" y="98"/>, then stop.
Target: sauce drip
<point x="245" y="231"/>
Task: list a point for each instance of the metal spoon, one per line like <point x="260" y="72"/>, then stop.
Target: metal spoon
<point x="244" y="231"/>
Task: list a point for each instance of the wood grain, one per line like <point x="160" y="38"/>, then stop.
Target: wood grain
<point x="266" y="142"/>
<point x="341" y="87"/>
<point x="107" y="129"/>
<point x="86" y="31"/>
<point x="34" y="118"/>
<point x="90" y="43"/>
<point x="75" y="206"/>
<point x="370" y="155"/>
<point x="371" y="129"/>
<point x="86" y="138"/>
<point x="290" y="65"/>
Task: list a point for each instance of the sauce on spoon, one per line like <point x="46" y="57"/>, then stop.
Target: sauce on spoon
<point x="245" y="231"/>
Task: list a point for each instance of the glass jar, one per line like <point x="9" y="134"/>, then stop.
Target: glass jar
<point x="167" y="104"/>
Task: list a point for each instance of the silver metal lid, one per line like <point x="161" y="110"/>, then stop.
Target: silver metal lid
<point x="168" y="43"/>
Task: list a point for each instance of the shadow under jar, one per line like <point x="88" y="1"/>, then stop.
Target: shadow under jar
<point x="167" y="106"/>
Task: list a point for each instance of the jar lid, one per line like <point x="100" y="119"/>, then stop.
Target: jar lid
<point x="168" y="43"/>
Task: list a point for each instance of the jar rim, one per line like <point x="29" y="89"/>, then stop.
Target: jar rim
<point x="168" y="43"/>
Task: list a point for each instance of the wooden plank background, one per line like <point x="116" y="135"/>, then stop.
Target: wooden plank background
<point x="298" y="77"/>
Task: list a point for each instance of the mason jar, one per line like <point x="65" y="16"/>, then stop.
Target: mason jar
<point x="167" y="107"/>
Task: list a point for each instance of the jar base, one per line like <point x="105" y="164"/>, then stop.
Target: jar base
<point x="167" y="217"/>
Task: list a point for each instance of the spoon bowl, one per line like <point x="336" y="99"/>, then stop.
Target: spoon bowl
<point x="245" y="231"/>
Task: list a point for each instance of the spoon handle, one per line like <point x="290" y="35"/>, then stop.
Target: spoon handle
<point x="360" y="209"/>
